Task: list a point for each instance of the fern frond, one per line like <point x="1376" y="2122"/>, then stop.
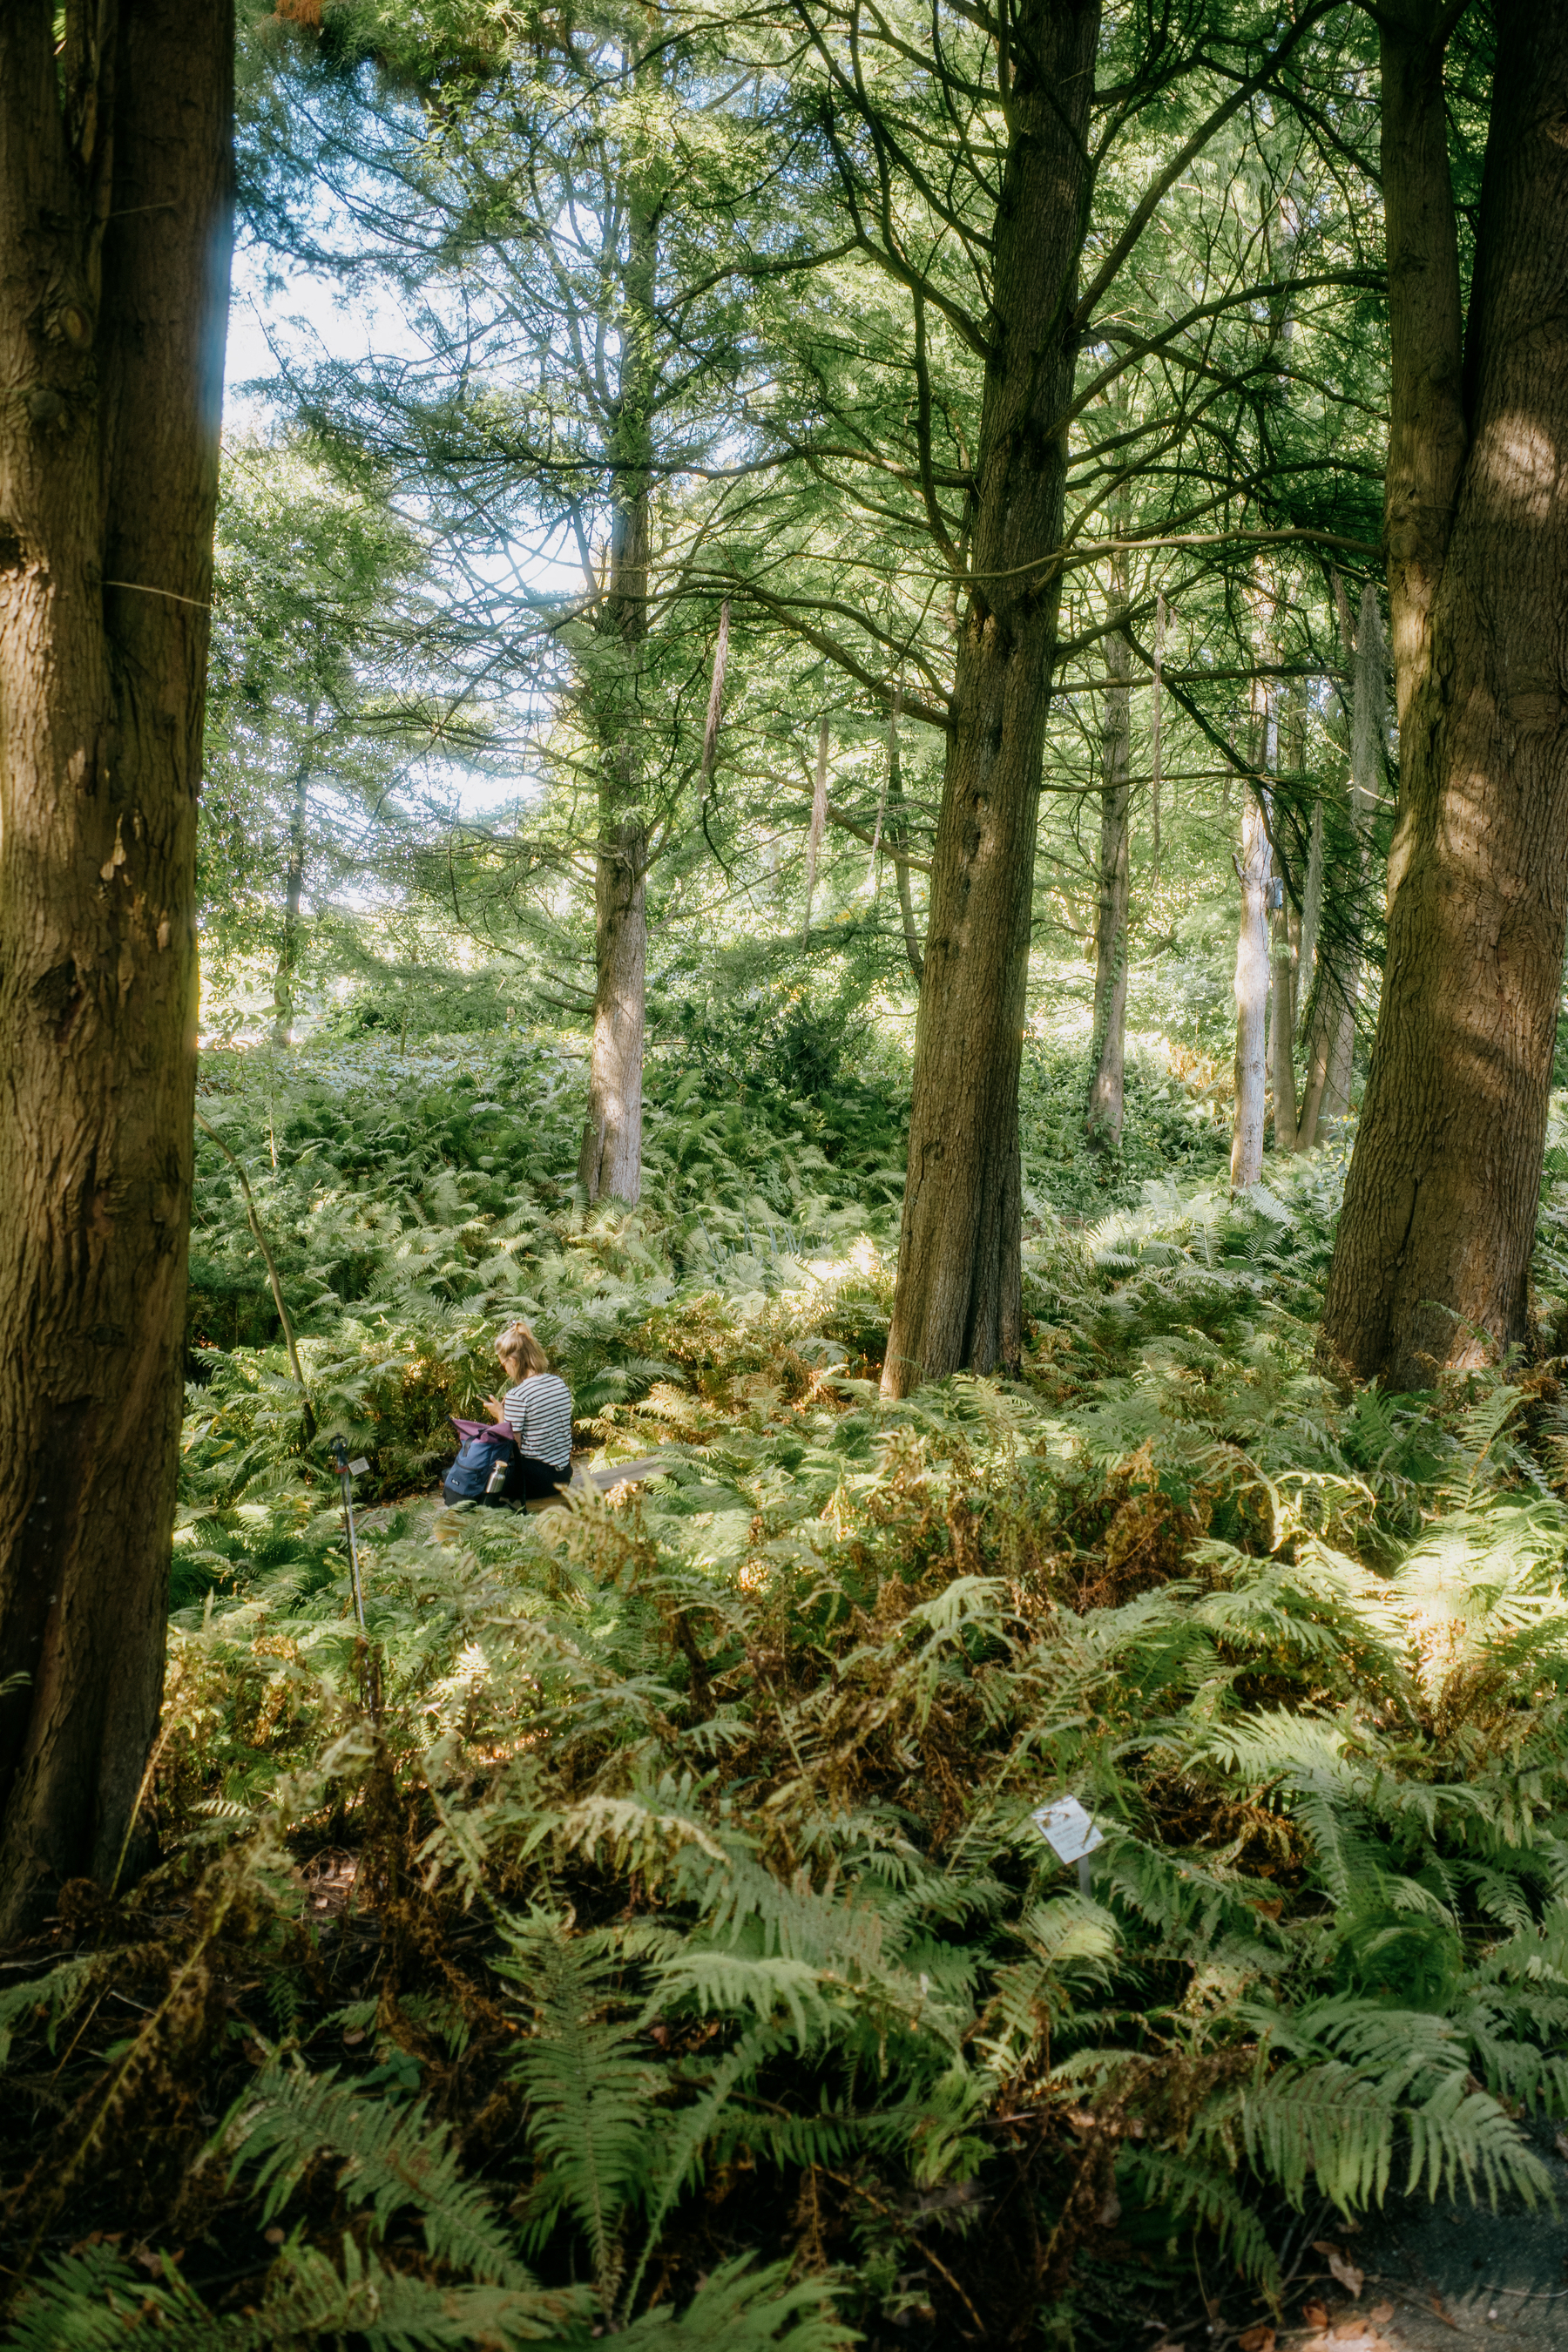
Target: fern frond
<point x="588" y="2097"/>
<point x="389" y="2157"/>
<point x="740" y="2309"/>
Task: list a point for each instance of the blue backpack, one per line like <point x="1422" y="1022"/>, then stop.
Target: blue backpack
<point x="486" y="1466"/>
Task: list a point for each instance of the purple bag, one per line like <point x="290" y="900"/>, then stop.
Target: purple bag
<point x="487" y="1463"/>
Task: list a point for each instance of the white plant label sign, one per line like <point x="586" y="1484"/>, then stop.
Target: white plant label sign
<point x="1067" y="1829"/>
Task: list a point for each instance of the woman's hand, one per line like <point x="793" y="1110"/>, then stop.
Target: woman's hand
<point x="497" y="1411"/>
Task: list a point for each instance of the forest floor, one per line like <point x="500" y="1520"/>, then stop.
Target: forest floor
<point x="645" y="1925"/>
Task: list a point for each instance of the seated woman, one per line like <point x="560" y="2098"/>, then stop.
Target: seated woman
<point x="537" y="1409"/>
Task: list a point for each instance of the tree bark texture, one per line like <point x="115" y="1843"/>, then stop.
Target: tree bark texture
<point x="610" y="1162"/>
<point x="1431" y="1265"/>
<point x="1251" y="999"/>
<point x="115" y="212"/>
<point x="958" y="1299"/>
<point x="1102" y="1115"/>
<point x="1427" y="429"/>
<point x="1284" y="942"/>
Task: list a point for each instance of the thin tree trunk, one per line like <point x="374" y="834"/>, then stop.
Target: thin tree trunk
<point x="115" y="210"/>
<point x="1283" y="943"/>
<point x="1252" y="961"/>
<point x="958" y="1298"/>
<point x="610" y="1162"/>
<point x="1251" y="999"/>
<point x="1431" y="1263"/>
<point x="1102" y="1115"/>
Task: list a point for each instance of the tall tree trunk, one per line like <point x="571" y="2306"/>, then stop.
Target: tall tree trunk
<point x="1102" y="1115"/>
<point x="959" y="1293"/>
<point x="115" y="210"/>
<point x="1283" y="945"/>
<point x="1251" y="998"/>
<point x="610" y="1161"/>
<point x="1431" y="1263"/>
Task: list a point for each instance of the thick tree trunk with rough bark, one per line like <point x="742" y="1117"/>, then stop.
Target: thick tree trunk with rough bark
<point x="1431" y="1265"/>
<point x="115" y="207"/>
<point x="959" y="1297"/>
<point x="1102" y="1115"/>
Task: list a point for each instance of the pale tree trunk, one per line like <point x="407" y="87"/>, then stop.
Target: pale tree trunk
<point x="1431" y="1263"/>
<point x="610" y="1162"/>
<point x="1251" y="998"/>
<point x="958" y="1299"/>
<point x="115" y="211"/>
<point x="1102" y="1115"/>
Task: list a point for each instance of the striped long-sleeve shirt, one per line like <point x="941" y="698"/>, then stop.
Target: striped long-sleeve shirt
<point x="540" y="1411"/>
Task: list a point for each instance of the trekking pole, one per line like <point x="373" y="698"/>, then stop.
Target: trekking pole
<point x="347" y="1473"/>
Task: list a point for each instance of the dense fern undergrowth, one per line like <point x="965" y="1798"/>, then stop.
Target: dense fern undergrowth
<point x="640" y="1928"/>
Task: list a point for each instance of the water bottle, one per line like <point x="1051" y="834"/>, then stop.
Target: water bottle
<point x="498" y="1475"/>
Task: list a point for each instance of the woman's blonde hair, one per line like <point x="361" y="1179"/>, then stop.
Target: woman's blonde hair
<point x="521" y="1353"/>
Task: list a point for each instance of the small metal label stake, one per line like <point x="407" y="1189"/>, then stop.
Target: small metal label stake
<point x="1070" y="1834"/>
